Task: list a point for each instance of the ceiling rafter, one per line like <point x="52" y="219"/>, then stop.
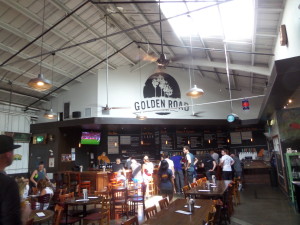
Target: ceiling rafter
<point x="37" y="61"/>
<point x="92" y="30"/>
<point x="38" y="43"/>
<point x="57" y="32"/>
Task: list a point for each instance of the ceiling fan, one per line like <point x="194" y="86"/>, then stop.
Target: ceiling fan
<point x="106" y="108"/>
<point x="162" y="61"/>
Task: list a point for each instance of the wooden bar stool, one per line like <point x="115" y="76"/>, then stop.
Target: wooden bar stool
<point x="151" y="188"/>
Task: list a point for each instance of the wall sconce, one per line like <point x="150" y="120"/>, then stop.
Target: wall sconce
<point x="51" y="137"/>
<point x="208" y="141"/>
<point x="79" y="145"/>
<point x="166" y="142"/>
<point x="142" y="142"/>
<point x="116" y="144"/>
<point x="251" y="139"/>
<point x="228" y="140"/>
<point x="189" y="142"/>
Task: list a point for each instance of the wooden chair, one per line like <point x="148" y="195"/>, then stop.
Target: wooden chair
<point x="73" y="212"/>
<point x="30" y="222"/>
<point x="150" y="212"/>
<point x="58" y="213"/>
<point x="163" y="203"/>
<point x="119" y="200"/>
<point x="132" y="221"/>
<point x="185" y="189"/>
<point x="210" y="218"/>
<point x="84" y="185"/>
<point x="102" y="218"/>
<point x="41" y="201"/>
<point x="134" y="200"/>
<point x="199" y="182"/>
<point x="236" y="193"/>
<point x="193" y="185"/>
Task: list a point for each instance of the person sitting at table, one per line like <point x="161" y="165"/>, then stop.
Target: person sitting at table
<point x="39" y="174"/>
<point x="118" y="168"/>
<point x="44" y="187"/>
<point x="165" y="183"/>
<point x="23" y="185"/>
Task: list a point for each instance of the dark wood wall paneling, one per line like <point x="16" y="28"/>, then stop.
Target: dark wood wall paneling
<point x="67" y="136"/>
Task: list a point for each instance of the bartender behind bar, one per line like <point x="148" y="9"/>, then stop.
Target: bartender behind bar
<point x="103" y="159"/>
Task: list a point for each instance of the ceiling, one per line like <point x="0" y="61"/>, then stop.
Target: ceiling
<point x="75" y="30"/>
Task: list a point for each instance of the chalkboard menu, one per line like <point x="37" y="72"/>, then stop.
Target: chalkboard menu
<point x="222" y="140"/>
<point x="181" y="141"/>
<point x="167" y="141"/>
<point x="135" y="141"/>
<point x="196" y="142"/>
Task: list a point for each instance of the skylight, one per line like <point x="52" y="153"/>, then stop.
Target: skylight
<point x="234" y="19"/>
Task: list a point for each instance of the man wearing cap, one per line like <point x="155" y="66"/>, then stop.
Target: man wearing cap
<point x="10" y="210"/>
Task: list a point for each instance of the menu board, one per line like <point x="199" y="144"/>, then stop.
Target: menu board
<point x="196" y="142"/>
<point x="135" y="141"/>
<point x="236" y="138"/>
<point x="181" y="141"/>
<point x="113" y="144"/>
<point x="222" y="140"/>
<point x="167" y="141"/>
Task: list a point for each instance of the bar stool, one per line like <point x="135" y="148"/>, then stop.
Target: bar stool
<point x="84" y="185"/>
<point x="151" y="188"/>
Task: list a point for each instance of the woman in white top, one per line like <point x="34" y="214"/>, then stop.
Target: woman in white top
<point x="44" y="188"/>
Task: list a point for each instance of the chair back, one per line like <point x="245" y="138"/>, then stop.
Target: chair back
<point x="58" y="212"/>
<point x="103" y="193"/>
<point x="193" y="185"/>
<point x="163" y="203"/>
<point x="64" y="197"/>
<point x="119" y="194"/>
<point x="150" y="212"/>
<point x="29" y="222"/>
<point x="42" y="200"/>
<point x="199" y="182"/>
<point x="132" y="221"/>
<point x="185" y="189"/>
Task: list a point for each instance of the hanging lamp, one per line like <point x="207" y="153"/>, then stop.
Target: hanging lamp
<point x="193" y="92"/>
<point x="140" y="116"/>
<point x="40" y="83"/>
<point x="50" y="114"/>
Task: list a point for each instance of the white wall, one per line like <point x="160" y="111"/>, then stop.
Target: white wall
<point x="81" y="95"/>
<point x="291" y="18"/>
<point x="16" y="121"/>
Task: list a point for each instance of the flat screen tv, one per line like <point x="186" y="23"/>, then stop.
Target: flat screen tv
<point x="90" y="138"/>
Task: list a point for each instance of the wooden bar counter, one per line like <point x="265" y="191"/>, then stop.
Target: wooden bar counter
<point x="98" y="179"/>
<point x="257" y="171"/>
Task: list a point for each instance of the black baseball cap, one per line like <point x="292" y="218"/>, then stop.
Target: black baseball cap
<point x="7" y="144"/>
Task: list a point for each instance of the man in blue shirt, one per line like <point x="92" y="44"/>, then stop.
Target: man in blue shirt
<point x="178" y="172"/>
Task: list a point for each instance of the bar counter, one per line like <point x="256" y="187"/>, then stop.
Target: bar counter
<point x="257" y="172"/>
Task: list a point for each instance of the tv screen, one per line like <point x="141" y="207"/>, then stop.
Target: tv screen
<point x="90" y="138"/>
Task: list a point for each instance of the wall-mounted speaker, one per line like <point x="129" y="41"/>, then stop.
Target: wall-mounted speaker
<point x="76" y="114"/>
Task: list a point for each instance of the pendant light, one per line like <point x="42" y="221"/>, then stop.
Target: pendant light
<point x="50" y="114"/>
<point x="140" y="116"/>
<point x="40" y="83"/>
<point x="193" y="92"/>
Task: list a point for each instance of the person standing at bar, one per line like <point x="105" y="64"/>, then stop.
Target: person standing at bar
<point x="179" y="180"/>
<point x="209" y="165"/>
<point x="103" y="159"/>
<point x="226" y="162"/>
<point x="147" y="170"/>
<point x="215" y="156"/>
<point x="39" y="174"/>
<point x="189" y="164"/>
<point x="237" y="166"/>
<point x="10" y="207"/>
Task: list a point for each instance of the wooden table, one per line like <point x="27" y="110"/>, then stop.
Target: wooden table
<point x="213" y="192"/>
<point x="79" y="201"/>
<point x="36" y="219"/>
<point x="169" y="216"/>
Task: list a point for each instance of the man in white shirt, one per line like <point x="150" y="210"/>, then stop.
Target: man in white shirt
<point x="226" y="162"/>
